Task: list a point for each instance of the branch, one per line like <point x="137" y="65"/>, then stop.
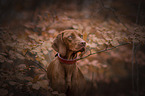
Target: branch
<point x="103" y="50"/>
<point x="36" y="62"/>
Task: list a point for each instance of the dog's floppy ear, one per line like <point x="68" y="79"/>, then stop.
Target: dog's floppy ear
<point x="58" y="45"/>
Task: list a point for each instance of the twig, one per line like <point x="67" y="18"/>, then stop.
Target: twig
<point x="103" y="51"/>
<point x="38" y="63"/>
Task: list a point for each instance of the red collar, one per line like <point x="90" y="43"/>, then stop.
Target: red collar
<point x="65" y="61"/>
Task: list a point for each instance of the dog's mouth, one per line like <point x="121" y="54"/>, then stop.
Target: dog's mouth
<point x="82" y="49"/>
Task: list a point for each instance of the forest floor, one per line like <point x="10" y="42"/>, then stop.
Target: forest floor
<point x="26" y="51"/>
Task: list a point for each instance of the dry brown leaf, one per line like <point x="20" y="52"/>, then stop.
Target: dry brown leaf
<point x="94" y="63"/>
<point x="62" y="94"/>
<point x="85" y="35"/>
<point x="114" y="42"/>
<point x="3" y="92"/>
<point x="20" y="56"/>
<point x="9" y="61"/>
<point x="12" y="54"/>
<point x="55" y="92"/>
<point x="11" y="94"/>
<point x="52" y="31"/>
<point x="12" y="83"/>
<point x="20" y="76"/>
<point x="43" y="84"/>
<point x="75" y="26"/>
<point x="41" y="76"/>
<point x="2" y="58"/>
<point x="28" y="78"/>
<point x="91" y="45"/>
<point x="5" y="85"/>
<point x="29" y="83"/>
<point x="36" y="86"/>
<point x="22" y="66"/>
<point x="36" y="78"/>
<point x="50" y="89"/>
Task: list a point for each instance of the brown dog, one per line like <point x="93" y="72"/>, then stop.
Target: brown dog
<point x="63" y="72"/>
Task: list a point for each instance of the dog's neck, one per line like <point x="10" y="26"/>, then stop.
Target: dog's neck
<point x="69" y="58"/>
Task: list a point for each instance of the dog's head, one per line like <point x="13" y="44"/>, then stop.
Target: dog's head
<point x="71" y="40"/>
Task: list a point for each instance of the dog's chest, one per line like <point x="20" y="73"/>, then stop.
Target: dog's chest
<point x="69" y="69"/>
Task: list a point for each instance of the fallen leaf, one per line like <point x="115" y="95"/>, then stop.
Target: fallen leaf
<point x="85" y="35"/>
<point x="36" y="86"/>
<point x="22" y="66"/>
<point x="20" y="76"/>
<point x="114" y="42"/>
<point x="50" y="89"/>
<point x="52" y="31"/>
<point x="55" y="92"/>
<point x="36" y="78"/>
<point x="62" y="94"/>
<point x="12" y="54"/>
<point x="91" y="45"/>
<point x="28" y="78"/>
<point x="43" y="84"/>
<point x="41" y="76"/>
<point x="3" y="92"/>
<point x="12" y="83"/>
<point x="11" y="94"/>
<point x="75" y="26"/>
<point x="19" y="56"/>
<point x="5" y="85"/>
<point x="9" y="61"/>
<point x="2" y="58"/>
<point x="29" y="83"/>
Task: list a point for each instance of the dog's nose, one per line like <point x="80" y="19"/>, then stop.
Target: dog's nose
<point x="83" y="43"/>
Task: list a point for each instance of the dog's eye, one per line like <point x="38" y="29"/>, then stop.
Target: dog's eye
<point x="69" y="37"/>
<point x="81" y="36"/>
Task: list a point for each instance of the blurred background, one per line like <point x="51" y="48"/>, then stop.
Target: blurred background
<point x="28" y="28"/>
